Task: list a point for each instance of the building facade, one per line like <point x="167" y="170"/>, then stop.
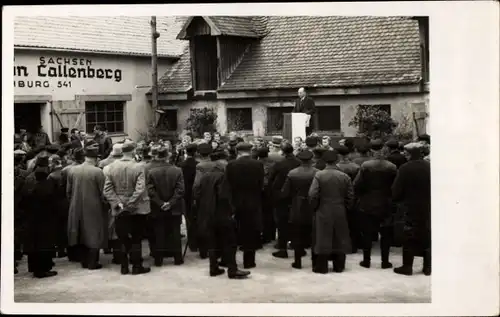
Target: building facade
<point x="96" y="73"/>
<point x="248" y="69"/>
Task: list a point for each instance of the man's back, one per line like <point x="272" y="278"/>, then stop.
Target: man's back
<point x="348" y="167"/>
<point x="168" y="185"/>
<point x="246" y="175"/>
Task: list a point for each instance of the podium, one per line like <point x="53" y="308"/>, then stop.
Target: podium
<point x="294" y="125"/>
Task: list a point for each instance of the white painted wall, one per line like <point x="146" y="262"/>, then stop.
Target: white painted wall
<point x="134" y="71"/>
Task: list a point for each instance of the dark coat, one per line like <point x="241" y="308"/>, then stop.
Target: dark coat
<point x="105" y="145"/>
<point x="19" y="195"/>
<point x="331" y="197"/>
<point x="245" y="181"/>
<point x="349" y="167"/>
<point x="278" y="174"/>
<point x="40" y="217"/>
<point x="61" y="203"/>
<point x="361" y="159"/>
<point x="396" y="158"/>
<point x="412" y="188"/>
<point x="319" y="164"/>
<point x="268" y="164"/>
<point x="166" y="184"/>
<point x="296" y="190"/>
<point x="305" y="106"/>
<point x="212" y="199"/>
<point x="188" y="167"/>
<point x="373" y="185"/>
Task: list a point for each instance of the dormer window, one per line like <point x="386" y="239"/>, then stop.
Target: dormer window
<point x="204" y="63"/>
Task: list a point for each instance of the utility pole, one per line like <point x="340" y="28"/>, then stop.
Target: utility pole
<point x="154" y="65"/>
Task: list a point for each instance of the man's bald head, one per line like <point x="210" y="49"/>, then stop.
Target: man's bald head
<point x="302" y="92"/>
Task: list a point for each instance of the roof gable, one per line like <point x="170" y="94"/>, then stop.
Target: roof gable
<point x="120" y="35"/>
<point x="224" y="25"/>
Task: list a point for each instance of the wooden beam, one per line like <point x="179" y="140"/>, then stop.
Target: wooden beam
<point x="103" y="97"/>
<point x="219" y="67"/>
<point x="369" y="90"/>
<point x="32" y="98"/>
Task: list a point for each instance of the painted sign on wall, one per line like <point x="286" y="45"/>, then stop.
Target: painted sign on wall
<point x="61" y="72"/>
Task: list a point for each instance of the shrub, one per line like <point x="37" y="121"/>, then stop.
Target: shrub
<point x="373" y="122"/>
<point x="201" y="120"/>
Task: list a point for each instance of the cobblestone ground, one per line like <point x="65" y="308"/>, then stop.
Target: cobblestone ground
<point x="273" y="281"/>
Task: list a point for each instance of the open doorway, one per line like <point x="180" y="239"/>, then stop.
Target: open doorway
<point x="27" y="116"/>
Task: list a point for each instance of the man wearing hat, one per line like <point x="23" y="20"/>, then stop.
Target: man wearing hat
<point x="363" y="148"/>
<point x="87" y="219"/>
<point x="40" y="221"/>
<point x="63" y="137"/>
<point x="412" y="188"/>
<point x="19" y="180"/>
<point x="104" y="142"/>
<point x="216" y="219"/>
<point x="268" y="226"/>
<point x="188" y="167"/>
<point x="277" y="178"/>
<point x="331" y="197"/>
<point x="275" y="149"/>
<point x="295" y="192"/>
<point x="60" y="204"/>
<point x="373" y="189"/>
<point x="318" y="161"/>
<point x="166" y="192"/>
<point x="116" y="154"/>
<point x="311" y="143"/>
<point x="124" y="187"/>
<point x="245" y="178"/>
<point x="204" y="165"/>
<point x="395" y="155"/>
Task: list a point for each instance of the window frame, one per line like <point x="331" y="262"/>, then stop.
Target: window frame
<point x="228" y="118"/>
<point x="193" y="42"/>
<point x="98" y="104"/>
<point x="339" y="109"/>
<point x="176" y="112"/>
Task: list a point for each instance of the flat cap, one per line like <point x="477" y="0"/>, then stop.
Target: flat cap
<point x="53" y="148"/>
<point x="64" y="130"/>
<point x="376" y="144"/>
<point x="128" y="146"/>
<point x="78" y="154"/>
<point x="19" y="153"/>
<point x="305" y="155"/>
<point x="162" y="152"/>
<point x="413" y="146"/>
<point x="319" y="151"/>
<point x="392" y="144"/>
<point x="243" y="146"/>
<point x="276" y="140"/>
<point x="311" y="141"/>
<point x="262" y="152"/>
<point x="204" y="149"/>
<point x="92" y="150"/>
<point x="342" y="150"/>
<point x="330" y="156"/>
<point x="42" y="161"/>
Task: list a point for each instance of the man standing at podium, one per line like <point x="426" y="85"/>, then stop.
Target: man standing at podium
<point x="305" y="104"/>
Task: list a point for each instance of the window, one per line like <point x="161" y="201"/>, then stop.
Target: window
<point x="386" y="108"/>
<point x="205" y="63"/>
<point x="328" y="118"/>
<point x="107" y="114"/>
<point x="239" y="119"/>
<point x="168" y="120"/>
<point x="275" y="118"/>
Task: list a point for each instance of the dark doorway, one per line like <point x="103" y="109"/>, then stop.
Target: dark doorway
<point x="27" y="116"/>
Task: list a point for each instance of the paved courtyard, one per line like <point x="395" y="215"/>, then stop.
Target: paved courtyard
<point x="273" y="281"/>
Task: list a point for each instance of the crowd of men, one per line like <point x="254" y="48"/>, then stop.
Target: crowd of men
<point x="82" y="195"/>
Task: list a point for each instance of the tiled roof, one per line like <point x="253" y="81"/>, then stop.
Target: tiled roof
<point x="121" y="35"/>
<point x="235" y="26"/>
<point x="178" y="79"/>
<point x="333" y="51"/>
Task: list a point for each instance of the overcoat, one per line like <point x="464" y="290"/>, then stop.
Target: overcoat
<point x="188" y="167"/>
<point x="331" y="196"/>
<point x="296" y="190"/>
<point x="396" y="158"/>
<point x="278" y="174"/>
<point x="39" y="216"/>
<point x="60" y="203"/>
<point x="372" y="186"/>
<point x="412" y="188"/>
<point x="87" y="218"/>
<point x="245" y="180"/>
<point x="166" y="184"/>
<point x="348" y="167"/>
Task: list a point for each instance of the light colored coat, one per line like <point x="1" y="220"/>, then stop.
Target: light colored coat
<point x="87" y="218"/>
<point x="126" y="184"/>
<point x="331" y="196"/>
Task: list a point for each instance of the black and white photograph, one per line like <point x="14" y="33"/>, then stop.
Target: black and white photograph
<point x="167" y="158"/>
